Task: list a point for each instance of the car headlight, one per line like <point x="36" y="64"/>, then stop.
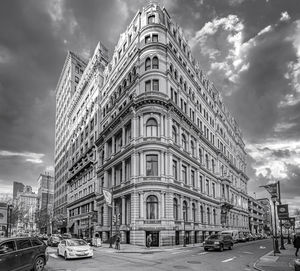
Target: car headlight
<point x="217" y="242"/>
<point x="70" y="249"/>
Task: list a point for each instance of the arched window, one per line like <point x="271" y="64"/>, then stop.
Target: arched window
<point x="119" y="90"/>
<point x="151" y="127"/>
<point x="175" y="209"/>
<point x="151" y="19"/>
<point x="181" y="80"/>
<point x="208" y="216"/>
<point x="215" y="217"/>
<point x="148" y="64"/>
<point x="175" y="74"/>
<point x="152" y="207"/>
<point x="185" y="211"/>
<point x="101" y="215"/>
<point x="194" y="212"/>
<point x="184" y="86"/>
<point x="174" y="134"/>
<point x="200" y="156"/>
<point x="171" y="68"/>
<point x="155" y="62"/>
<point x="202" y="214"/>
<point x="134" y="71"/>
<point x="183" y="142"/>
<point x="129" y="77"/>
<point x="193" y="147"/>
<point x="213" y="165"/>
<point x="124" y="83"/>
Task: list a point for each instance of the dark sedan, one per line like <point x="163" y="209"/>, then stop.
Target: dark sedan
<point x="218" y="241"/>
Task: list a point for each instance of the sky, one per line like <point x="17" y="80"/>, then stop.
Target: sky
<point x="249" y="49"/>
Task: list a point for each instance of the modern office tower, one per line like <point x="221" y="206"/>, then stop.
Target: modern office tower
<point x="83" y="114"/>
<point x="256" y="215"/>
<point x="69" y="78"/>
<point x="17" y="187"/>
<point x="168" y="149"/>
<point x="45" y="202"/>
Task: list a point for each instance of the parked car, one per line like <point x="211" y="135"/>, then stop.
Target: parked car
<point x="242" y="237"/>
<point x="74" y="248"/>
<point x="233" y="233"/>
<point x="218" y="241"/>
<point x="22" y="253"/>
<point x="54" y="240"/>
<point x="66" y="236"/>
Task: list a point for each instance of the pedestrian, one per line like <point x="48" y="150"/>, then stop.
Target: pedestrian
<point x="149" y="241"/>
<point x="117" y="246"/>
<point x="296" y="243"/>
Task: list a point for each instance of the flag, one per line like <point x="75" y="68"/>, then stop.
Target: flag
<point x="272" y="188"/>
<point x="108" y="197"/>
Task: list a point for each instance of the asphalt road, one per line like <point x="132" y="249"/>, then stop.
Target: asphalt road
<point x="241" y="258"/>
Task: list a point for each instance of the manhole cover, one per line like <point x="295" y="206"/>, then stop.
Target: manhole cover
<point x="194" y="262"/>
<point x="179" y="267"/>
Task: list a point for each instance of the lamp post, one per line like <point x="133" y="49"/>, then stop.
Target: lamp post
<point x="276" y="249"/>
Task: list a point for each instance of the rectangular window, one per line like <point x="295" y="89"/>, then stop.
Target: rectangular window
<point x="76" y="79"/>
<point x="154" y="38"/>
<point x="214" y="190"/>
<point x="193" y="178"/>
<point x="175" y="169"/>
<point x="147" y="39"/>
<point x="207" y="187"/>
<point x="184" y="175"/>
<point x="151" y="165"/>
<point x="148" y="85"/>
<point x="155" y="85"/>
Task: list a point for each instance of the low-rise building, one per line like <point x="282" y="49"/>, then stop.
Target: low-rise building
<point x="256" y="216"/>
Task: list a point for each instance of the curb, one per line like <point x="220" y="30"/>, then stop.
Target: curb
<point x="256" y="262"/>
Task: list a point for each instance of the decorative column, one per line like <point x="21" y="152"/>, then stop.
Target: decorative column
<point x="141" y="205"/>
<point x="123" y="210"/>
<point x="162" y="213"/>
<point x="123" y="171"/>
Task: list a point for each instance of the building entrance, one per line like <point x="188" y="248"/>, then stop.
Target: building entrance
<point x="177" y="234"/>
<point x="155" y="238"/>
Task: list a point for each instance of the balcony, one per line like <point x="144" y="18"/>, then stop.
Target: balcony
<point x="226" y="204"/>
<point x="152" y="221"/>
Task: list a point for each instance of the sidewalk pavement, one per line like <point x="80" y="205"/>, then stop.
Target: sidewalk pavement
<point x="280" y="262"/>
<point x="129" y="248"/>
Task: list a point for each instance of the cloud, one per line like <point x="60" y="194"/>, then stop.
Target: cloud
<point x="285" y="16"/>
<point x="35" y="158"/>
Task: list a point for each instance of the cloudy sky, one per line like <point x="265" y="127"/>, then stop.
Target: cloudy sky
<point x="250" y="49"/>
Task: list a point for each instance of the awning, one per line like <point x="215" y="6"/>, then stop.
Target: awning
<point x="70" y="224"/>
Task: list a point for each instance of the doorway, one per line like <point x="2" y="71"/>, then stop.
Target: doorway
<point x="154" y="237"/>
<point x="177" y="237"/>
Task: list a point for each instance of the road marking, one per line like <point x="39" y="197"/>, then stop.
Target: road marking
<point x="247" y="252"/>
<point x="177" y="252"/>
<point x="202" y="253"/>
<point x="53" y="255"/>
<point x="261" y="247"/>
<point x="228" y="260"/>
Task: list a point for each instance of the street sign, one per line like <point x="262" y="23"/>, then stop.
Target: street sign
<point x="287" y="225"/>
<point x="283" y="211"/>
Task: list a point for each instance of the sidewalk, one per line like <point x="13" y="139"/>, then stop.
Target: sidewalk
<point x="280" y="262"/>
<point x="128" y="248"/>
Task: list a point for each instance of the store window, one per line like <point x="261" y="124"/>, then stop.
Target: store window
<point x="152" y="207"/>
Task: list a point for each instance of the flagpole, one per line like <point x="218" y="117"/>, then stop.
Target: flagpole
<point x="281" y="235"/>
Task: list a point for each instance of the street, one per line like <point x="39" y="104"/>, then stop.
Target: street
<point x="240" y="258"/>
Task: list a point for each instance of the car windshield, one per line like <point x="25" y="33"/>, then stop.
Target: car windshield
<point x="73" y="243"/>
<point x="214" y="236"/>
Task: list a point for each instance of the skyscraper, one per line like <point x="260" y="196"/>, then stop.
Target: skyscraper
<point x="72" y="71"/>
<point x="17" y="187"/>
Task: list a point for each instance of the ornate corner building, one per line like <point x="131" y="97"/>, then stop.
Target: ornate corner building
<point x="151" y="128"/>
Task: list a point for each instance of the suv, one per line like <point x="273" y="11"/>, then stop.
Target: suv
<point x="218" y="241"/>
<point x="22" y="253"/>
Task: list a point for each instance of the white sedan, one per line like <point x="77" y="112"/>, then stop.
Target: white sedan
<point x="74" y="248"/>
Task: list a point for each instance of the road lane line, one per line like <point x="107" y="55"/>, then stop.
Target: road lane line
<point x="247" y="252"/>
<point x="202" y="253"/>
<point x="177" y="252"/>
<point x="228" y="260"/>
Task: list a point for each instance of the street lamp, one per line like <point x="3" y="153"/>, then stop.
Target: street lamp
<point x="276" y="249"/>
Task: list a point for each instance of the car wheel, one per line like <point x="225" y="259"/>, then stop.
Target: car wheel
<point x="66" y="256"/>
<point x="221" y="248"/>
<point x="39" y="264"/>
<point x="230" y="247"/>
<point x="206" y="249"/>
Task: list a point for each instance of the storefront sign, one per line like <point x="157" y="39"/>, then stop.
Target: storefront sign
<point x="283" y="211"/>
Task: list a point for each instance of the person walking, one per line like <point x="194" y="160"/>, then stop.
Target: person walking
<point x="149" y="241"/>
<point x="118" y="242"/>
<point x="296" y="243"/>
